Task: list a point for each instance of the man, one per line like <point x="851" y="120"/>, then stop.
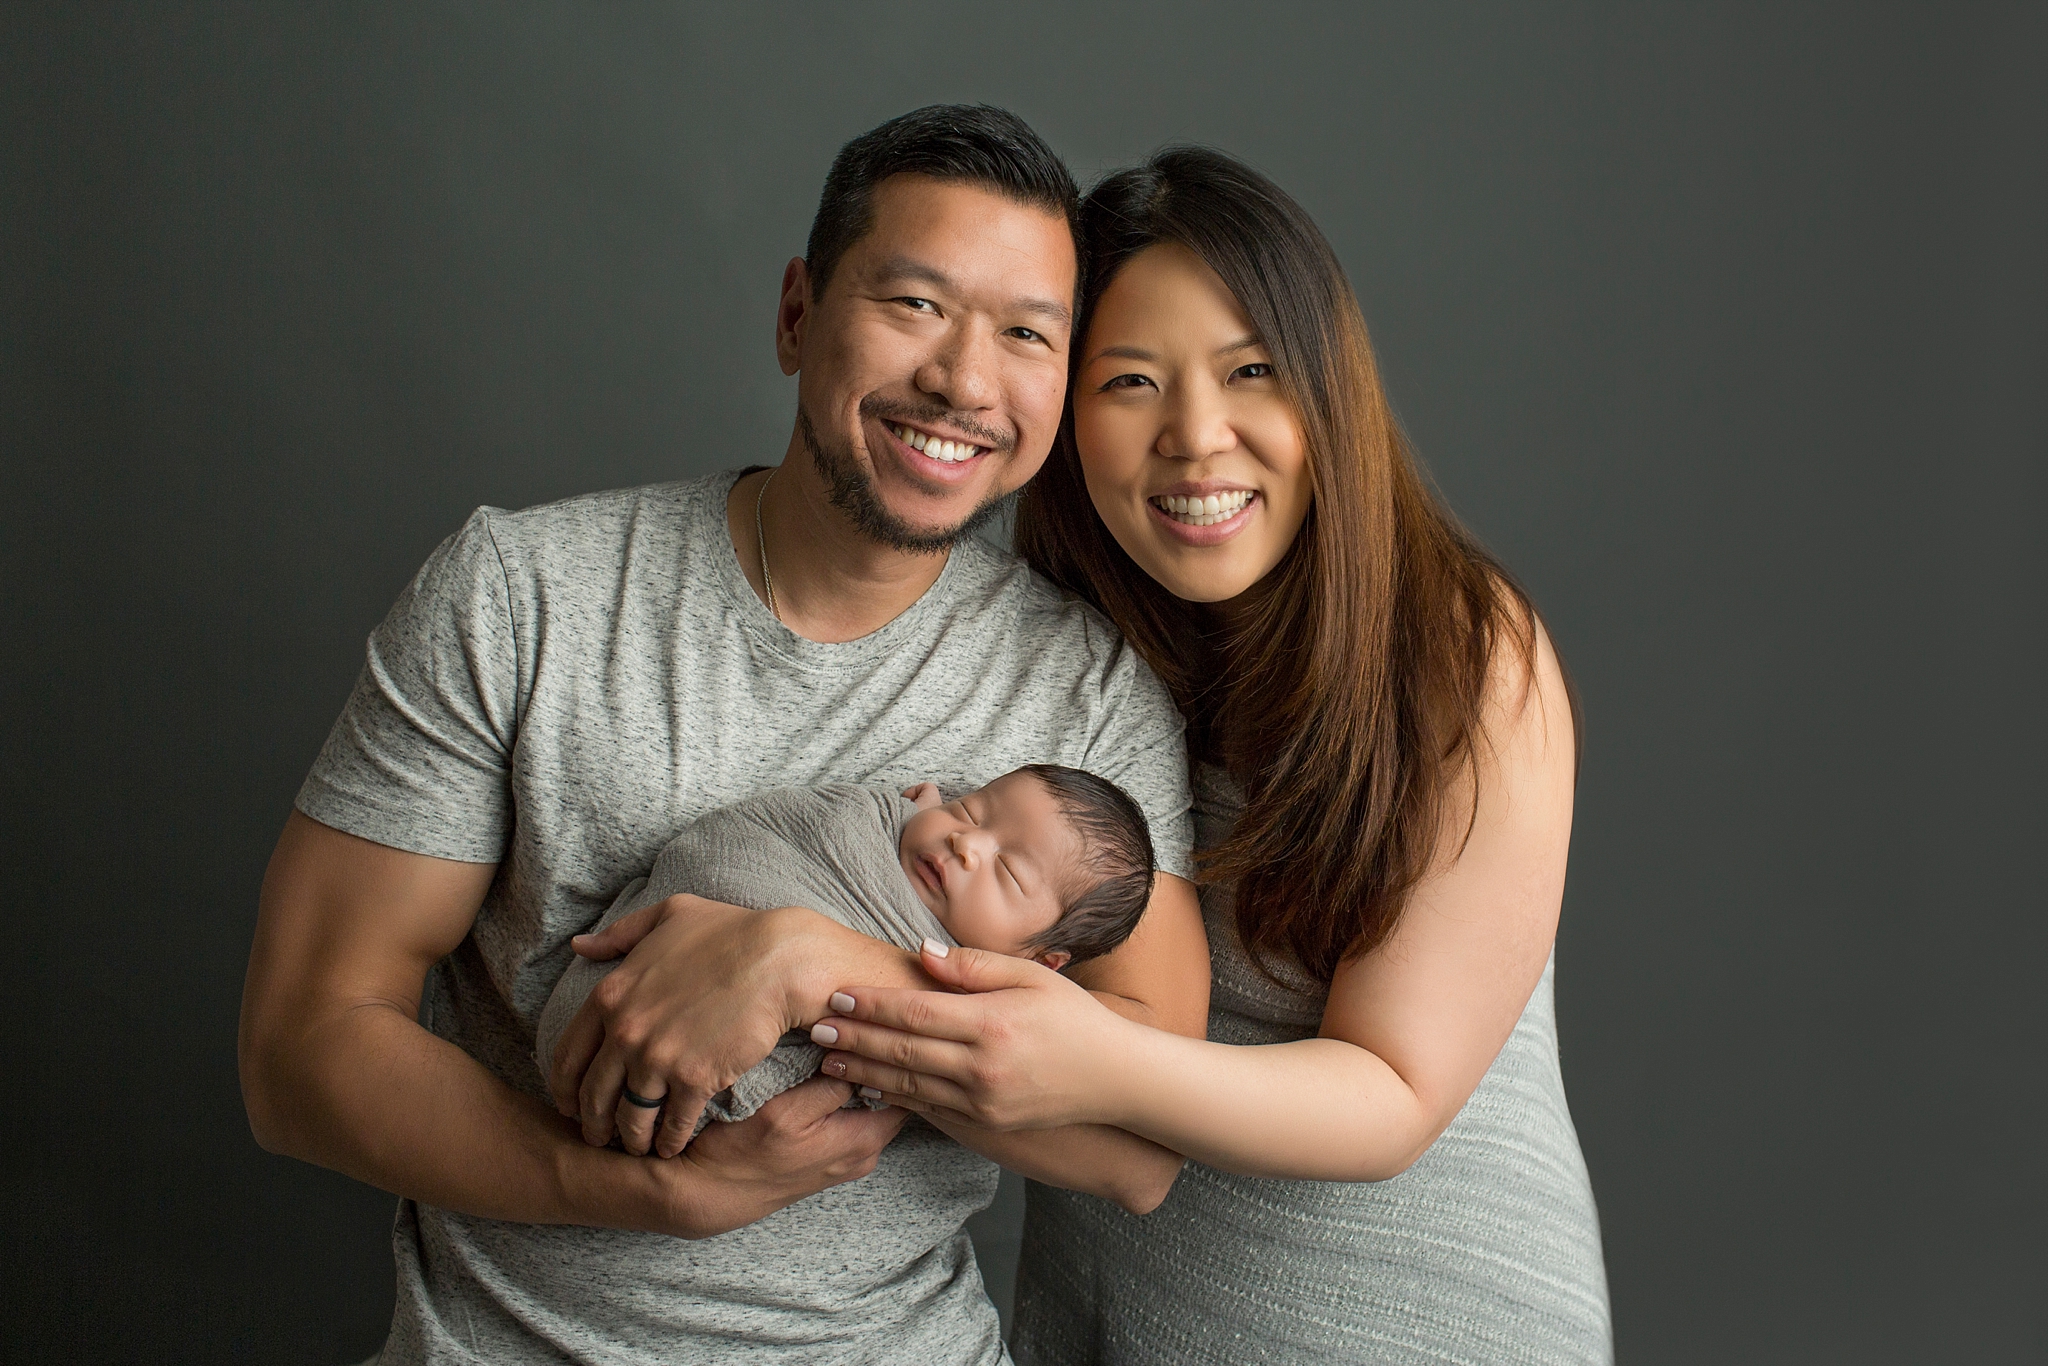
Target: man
<point x="562" y="688"/>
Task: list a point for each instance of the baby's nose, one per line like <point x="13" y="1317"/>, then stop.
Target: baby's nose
<point x="969" y="846"/>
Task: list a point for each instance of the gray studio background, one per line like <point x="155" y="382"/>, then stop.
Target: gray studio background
<point x="1727" y="327"/>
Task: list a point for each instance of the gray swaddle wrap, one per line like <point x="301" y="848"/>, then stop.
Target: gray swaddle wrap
<point x="831" y="848"/>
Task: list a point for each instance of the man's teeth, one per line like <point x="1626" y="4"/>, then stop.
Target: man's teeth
<point x="952" y="452"/>
<point x="1216" y="507"/>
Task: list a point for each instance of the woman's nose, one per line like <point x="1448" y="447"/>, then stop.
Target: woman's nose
<point x="1197" y="425"/>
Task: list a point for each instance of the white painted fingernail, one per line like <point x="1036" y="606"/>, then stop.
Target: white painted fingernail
<point x="935" y="948"/>
<point x="871" y="1093"/>
<point x="841" y="1003"/>
<point x="824" y="1033"/>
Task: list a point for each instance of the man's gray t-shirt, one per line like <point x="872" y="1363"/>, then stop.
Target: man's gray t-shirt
<point x="559" y="691"/>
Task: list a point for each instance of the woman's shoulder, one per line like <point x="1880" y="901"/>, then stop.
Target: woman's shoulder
<point x="1528" y="688"/>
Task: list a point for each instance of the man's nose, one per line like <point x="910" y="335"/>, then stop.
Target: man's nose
<point x="961" y="371"/>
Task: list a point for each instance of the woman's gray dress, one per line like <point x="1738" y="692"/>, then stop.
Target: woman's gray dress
<point x="1486" y="1251"/>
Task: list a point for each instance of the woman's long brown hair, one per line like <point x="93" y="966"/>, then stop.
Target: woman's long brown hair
<point x="1347" y="698"/>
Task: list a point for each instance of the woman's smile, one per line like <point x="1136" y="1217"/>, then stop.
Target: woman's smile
<point x="1204" y="516"/>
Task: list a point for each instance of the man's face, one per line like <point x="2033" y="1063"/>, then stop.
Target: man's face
<point x="933" y="366"/>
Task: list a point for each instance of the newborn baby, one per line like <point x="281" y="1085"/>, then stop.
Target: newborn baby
<point x="1046" y="862"/>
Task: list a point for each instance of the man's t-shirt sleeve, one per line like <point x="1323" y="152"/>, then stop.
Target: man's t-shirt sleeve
<point x="1138" y="745"/>
<point x="420" y="758"/>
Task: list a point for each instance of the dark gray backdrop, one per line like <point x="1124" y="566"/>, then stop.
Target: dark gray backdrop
<point x="1723" y="325"/>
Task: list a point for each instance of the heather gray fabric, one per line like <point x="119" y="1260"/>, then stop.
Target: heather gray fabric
<point x="1486" y="1251"/>
<point x="830" y="848"/>
<point x="560" y="691"/>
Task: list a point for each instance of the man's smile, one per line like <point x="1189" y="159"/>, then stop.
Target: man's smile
<point x="933" y="458"/>
<point x="932" y="446"/>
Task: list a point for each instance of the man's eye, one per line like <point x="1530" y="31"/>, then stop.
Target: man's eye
<point x="920" y="305"/>
<point x="1026" y="334"/>
<point x="1256" y="370"/>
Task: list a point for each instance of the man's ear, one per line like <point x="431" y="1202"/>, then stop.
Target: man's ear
<point x="1055" y="958"/>
<point x="791" y="312"/>
<point x="925" y="795"/>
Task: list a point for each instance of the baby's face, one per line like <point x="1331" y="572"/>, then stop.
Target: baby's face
<point x="990" y="865"/>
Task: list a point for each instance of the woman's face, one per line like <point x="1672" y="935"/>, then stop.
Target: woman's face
<point x="1193" y="457"/>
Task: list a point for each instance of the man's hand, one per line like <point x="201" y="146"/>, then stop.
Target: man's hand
<point x="705" y="992"/>
<point x="796" y="1145"/>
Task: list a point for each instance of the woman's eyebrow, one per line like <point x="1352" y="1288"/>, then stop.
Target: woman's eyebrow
<point x="1140" y="353"/>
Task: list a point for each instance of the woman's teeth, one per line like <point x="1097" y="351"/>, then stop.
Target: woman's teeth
<point x="952" y="452"/>
<point x="1217" y="507"/>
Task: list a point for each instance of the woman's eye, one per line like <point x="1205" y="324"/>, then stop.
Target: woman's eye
<point x="1127" y="382"/>
<point x="1256" y="370"/>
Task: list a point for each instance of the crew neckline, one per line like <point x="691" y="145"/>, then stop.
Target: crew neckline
<point x="772" y="633"/>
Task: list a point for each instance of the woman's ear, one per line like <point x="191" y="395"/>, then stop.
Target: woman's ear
<point x="1055" y="958"/>
<point x="924" y="795"/>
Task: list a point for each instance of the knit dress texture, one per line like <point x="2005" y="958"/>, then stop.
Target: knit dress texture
<point x="1486" y="1251"/>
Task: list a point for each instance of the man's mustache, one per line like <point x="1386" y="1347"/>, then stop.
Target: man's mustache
<point x="933" y="414"/>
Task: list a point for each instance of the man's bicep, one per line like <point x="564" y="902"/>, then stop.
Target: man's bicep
<point x="343" y="919"/>
<point x="1160" y="975"/>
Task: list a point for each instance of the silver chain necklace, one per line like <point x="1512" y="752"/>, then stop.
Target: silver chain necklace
<point x="761" y="540"/>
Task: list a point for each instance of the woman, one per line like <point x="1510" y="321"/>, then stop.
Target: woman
<point x="1383" y="1165"/>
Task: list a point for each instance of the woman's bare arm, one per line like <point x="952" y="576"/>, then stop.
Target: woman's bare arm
<point x="1408" y="1032"/>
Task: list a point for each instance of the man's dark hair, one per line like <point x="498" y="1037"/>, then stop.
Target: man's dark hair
<point x="976" y="144"/>
<point x="1114" y="882"/>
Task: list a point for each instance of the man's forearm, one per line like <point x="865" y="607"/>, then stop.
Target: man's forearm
<point x="1095" y="1159"/>
<point x="827" y="955"/>
<point x="368" y="1092"/>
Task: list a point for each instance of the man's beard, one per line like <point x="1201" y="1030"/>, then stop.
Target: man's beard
<point x="852" y="491"/>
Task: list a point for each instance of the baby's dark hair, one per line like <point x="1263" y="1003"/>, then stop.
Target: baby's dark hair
<point x="1115" y="883"/>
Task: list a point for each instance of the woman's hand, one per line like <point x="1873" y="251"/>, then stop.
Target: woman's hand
<point x="1013" y="1052"/>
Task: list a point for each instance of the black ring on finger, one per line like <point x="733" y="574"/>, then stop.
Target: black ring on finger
<point x="635" y="1098"/>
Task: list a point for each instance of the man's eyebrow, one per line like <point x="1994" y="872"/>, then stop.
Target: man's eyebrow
<point x="909" y="268"/>
<point x="1048" y="309"/>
